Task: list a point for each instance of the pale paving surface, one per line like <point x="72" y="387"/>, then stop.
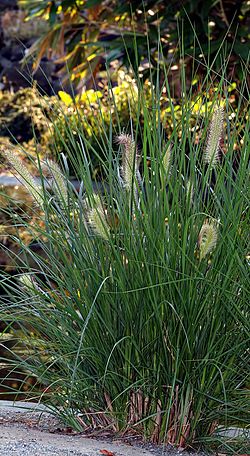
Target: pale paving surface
<point x="32" y="442"/>
<point x="25" y="432"/>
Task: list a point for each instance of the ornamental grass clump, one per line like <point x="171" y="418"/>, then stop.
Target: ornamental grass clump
<point x="136" y="316"/>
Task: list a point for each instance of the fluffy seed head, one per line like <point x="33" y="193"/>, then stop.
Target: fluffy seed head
<point x="211" y="155"/>
<point x="59" y="181"/>
<point x="130" y="162"/>
<point x="26" y="280"/>
<point x="97" y="218"/>
<point x="207" y="239"/>
<point x="166" y="161"/>
<point x="24" y="175"/>
<point x="189" y="192"/>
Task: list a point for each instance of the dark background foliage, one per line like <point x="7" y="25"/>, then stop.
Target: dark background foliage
<point x="86" y="35"/>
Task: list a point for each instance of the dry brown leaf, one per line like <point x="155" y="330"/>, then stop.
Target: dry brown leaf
<point x="107" y="452"/>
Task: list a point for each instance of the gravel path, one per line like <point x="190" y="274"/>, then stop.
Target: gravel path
<point x="30" y="433"/>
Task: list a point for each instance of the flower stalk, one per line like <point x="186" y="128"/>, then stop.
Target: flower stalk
<point x="211" y="156"/>
<point x="97" y="218"/>
<point x="207" y="239"/>
<point x="130" y="161"/>
<point x="59" y="180"/>
<point x="24" y="176"/>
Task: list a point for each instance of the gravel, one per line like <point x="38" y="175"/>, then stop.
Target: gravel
<point x="27" y="430"/>
<point x="35" y="449"/>
<point x="29" y="442"/>
<point x="22" y="441"/>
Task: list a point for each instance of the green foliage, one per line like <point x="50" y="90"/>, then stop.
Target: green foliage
<point x="94" y="112"/>
<point x="148" y="325"/>
<point x="89" y="34"/>
<point x="25" y="118"/>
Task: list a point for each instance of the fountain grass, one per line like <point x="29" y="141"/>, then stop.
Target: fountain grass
<point x="134" y="315"/>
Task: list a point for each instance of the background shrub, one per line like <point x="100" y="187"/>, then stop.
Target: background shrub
<point x="86" y="35"/>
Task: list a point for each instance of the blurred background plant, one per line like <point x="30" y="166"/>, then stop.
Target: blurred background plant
<point x="87" y="35"/>
<point x="25" y="119"/>
<point x="99" y="45"/>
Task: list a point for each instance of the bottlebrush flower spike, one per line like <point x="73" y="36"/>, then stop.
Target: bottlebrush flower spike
<point x="207" y="239"/>
<point x="130" y="162"/>
<point x="60" y="184"/>
<point x="211" y="155"/>
<point x="24" y="176"/>
<point x="189" y="192"/>
<point x="26" y="280"/>
<point x="97" y="218"/>
<point x="29" y="282"/>
<point x="166" y="161"/>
